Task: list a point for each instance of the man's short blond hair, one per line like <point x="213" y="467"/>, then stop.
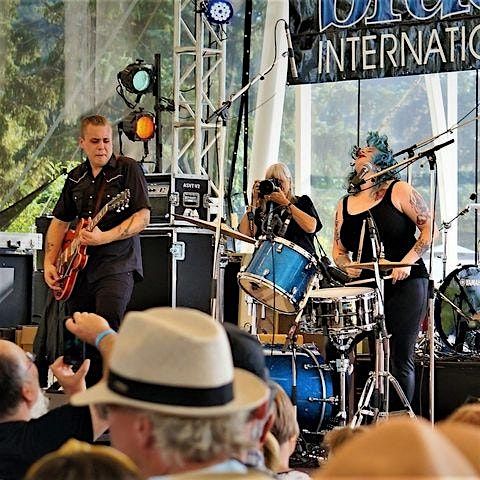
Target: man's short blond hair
<point x="97" y="120"/>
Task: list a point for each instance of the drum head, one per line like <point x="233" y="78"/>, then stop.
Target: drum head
<point x="462" y="289"/>
<point x="341" y="292"/>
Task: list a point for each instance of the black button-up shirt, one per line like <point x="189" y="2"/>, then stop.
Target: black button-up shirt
<point x="79" y="200"/>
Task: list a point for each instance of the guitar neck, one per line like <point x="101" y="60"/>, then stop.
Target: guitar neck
<point x="97" y="218"/>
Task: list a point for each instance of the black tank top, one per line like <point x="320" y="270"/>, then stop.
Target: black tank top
<point x="396" y="231"/>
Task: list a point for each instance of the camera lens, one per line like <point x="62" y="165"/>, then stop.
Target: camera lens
<point x="266" y="187"/>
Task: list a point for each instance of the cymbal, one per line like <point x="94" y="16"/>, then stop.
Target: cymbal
<point x="224" y="228"/>
<point x="383" y="264"/>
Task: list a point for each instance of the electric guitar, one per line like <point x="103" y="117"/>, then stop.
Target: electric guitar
<point x="73" y="256"/>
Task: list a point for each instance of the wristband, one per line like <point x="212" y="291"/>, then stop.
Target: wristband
<point x="102" y="335"/>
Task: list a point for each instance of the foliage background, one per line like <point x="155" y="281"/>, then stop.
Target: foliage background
<point x="59" y="61"/>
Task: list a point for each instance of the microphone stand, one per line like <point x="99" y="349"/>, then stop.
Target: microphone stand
<point x="431" y="157"/>
<point x="222" y="114"/>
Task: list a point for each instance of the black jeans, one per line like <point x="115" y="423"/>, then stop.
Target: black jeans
<point x="405" y="308"/>
<point x="107" y="297"/>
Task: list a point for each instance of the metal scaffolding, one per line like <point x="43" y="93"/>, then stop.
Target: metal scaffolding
<point x="199" y="89"/>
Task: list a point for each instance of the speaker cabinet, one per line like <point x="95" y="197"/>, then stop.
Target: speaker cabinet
<point x="177" y="268"/>
<point x="454" y="383"/>
<point x="15" y="288"/>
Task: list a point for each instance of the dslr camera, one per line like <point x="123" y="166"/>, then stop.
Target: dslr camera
<point x="266" y="187"/>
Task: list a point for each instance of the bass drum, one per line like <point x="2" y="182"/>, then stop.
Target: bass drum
<point x="461" y="288"/>
<point x="314" y="390"/>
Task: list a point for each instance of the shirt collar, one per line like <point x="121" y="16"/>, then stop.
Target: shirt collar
<point x="112" y="163"/>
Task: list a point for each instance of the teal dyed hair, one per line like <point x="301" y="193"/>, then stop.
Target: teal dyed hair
<point x="382" y="159"/>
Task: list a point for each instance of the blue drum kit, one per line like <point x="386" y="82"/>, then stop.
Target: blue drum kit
<point x="285" y="278"/>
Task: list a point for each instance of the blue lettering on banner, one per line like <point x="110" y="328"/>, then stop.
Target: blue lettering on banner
<point x="380" y="38"/>
<point x="384" y="11"/>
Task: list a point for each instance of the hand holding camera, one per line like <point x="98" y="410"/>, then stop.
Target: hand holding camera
<point x="268" y="186"/>
<point x="271" y="190"/>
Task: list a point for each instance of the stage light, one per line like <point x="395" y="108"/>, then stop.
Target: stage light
<point x="137" y="77"/>
<point x="139" y="126"/>
<point x="219" y="11"/>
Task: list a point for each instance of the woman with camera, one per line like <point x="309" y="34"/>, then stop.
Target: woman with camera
<point x="275" y="211"/>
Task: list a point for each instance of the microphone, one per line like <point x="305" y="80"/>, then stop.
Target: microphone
<point x="282" y="231"/>
<point x="338" y="275"/>
<point x="331" y="273"/>
<point x="357" y="180"/>
<point x="291" y="58"/>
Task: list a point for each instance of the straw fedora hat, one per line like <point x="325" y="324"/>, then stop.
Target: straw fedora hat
<point x="175" y="361"/>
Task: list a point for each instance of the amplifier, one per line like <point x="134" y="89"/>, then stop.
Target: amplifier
<point x="187" y="195"/>
<point x="20" y="241"/>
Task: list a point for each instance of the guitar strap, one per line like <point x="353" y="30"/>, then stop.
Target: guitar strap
<point x="99" y="196"/>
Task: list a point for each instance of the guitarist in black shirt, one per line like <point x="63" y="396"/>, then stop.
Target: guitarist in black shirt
<point x="104" y="286"/>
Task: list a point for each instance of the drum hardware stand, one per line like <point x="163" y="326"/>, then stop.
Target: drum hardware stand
<point x="343" y="342"/>
<point x="378" y="381"/>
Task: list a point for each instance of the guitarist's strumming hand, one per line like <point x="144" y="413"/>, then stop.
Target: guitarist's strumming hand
<point x="51" y="276"/>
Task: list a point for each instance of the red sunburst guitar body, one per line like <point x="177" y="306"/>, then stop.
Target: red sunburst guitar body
<point x="73" y="256"/>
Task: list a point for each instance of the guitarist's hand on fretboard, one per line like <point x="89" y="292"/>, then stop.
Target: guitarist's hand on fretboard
<point x="94" y="237"/>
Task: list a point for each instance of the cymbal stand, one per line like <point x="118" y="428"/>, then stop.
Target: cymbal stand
<point x="445" y="228"/>
<point x="378" y="382"/>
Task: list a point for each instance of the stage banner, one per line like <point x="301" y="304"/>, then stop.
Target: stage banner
<point x="336" y="40"/>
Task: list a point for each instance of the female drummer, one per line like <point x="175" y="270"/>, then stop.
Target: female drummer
<point x="280" y="213"/>
<point x="397" y="210"/>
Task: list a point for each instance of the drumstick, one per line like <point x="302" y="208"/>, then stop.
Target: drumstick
<point x="360" y="242"/>
<point x="366" y="280"/>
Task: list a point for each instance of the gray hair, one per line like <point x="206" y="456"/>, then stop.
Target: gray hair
<point x="12" y="378"/>
<point x="187" y="439"/>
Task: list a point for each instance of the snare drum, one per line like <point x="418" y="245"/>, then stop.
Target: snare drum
<point x="279" y="275"/>
<point x="341" y="308"/>
<point x="314" y="389"/>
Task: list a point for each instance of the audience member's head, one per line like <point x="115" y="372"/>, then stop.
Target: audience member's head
<point x="465" y="437"/>
<point x="82" y="461"/>
<point x="333" y="439"/>
<point x="22" y="398"/>
<point x="467" y="413"/>
<point x="247" y="351"/>
<point x="400" y="447"/>
<point x="175" y="402"/>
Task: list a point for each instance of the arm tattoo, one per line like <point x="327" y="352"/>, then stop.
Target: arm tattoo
<point x="420" y="207"/>
<point x="420" y="247"/>
<point x="126" y="231"/>
<point x="337" y="229"/>
<point x="50" y="246"/>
